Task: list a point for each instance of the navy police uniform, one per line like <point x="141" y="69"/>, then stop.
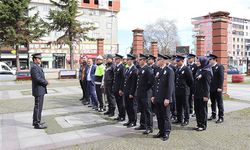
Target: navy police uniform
<point x="129" y="93"/>
<point x="39" y="89"/>
<point x="183" y="82"/>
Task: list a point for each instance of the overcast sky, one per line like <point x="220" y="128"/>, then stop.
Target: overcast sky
<point x="138" y="13"/>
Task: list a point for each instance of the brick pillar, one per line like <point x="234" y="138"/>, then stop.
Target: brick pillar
<point x="154" y="49"/>
<point x="138" y="41"/>
<point x="100" y="46"/>
<point x="220" y="40"/>
<point x="200" y="51"/>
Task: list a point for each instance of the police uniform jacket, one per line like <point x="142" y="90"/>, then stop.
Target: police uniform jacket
<point x="163" y="85"/>
<point x="183" y="81"/>
<point x="118" y="78"/>
<point x="39" y="83"/>
<point x="145" y="81"/>
<point x="130" y="81"/>
<point x="218" y="77"/>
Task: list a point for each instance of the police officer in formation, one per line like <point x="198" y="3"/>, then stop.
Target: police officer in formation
<point x="193" y="67"/>
<point x="203" y="78"/>
<point x="183" y="82"/>
<point x="145" y="81"/>
<point x="162" y="97"/>
<point x="216" y="88"/>
<point x="129" y="91"/>
<point x="118" y="87"/>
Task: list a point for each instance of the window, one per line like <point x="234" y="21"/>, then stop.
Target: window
<point x="238" y="46"/>
<point x="5" y="68"/>
<point x="246" y="33"/>
<point x="245" y="53"/>
<point x="108" y="36"/>
<point x="86" y="1"/>
<point x="96" y="2"/>
<point x="248" y="53"/>
<point x="233" y="46"/>
<point x="234" y="39"/>
<point x="110" y="3"/>
<point x="109" y="25"/>
<point x="241" y="53"/>
<point x="246" y="27"/>
<point x="238" y="39"/>
<point x="233" y="52"/>
<point x="241" y="46"/>
<point x="238" y="53"/>
<point x="241" y="40"/>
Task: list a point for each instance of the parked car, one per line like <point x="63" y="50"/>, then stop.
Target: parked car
<point x="6" y="73"/>
<point x="232" y="70"/>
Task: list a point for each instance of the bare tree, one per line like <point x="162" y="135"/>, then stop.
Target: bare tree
<point x="164" y="32"/>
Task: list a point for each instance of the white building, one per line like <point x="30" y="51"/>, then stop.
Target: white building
<point x="57" y="56"/>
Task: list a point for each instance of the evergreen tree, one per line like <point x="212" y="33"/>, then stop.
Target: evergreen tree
<point x="16" y="27"/>
<point x="64" y="19"/>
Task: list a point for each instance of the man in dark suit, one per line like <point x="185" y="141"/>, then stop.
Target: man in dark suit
<point x="39" y="89"/>
<point x="193" y="67"/>
<point x="145" y="81"/>
<point x="216" y="88"/>
<point x="118" y="87"/>
<point x="90" y="75"/>
<point x="162" y="97"/>
<point x="129" y="91"/>
<point x="83" y="81"/>
<point x="183" y="81"/>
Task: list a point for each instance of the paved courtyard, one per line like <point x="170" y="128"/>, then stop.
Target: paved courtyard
<point x="74" y="126"/>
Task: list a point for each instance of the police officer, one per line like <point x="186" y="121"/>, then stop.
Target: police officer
<point x="201" y="95"/>
<point x="170" y="64"/>
<point x="162" y="97"/>
<point x="107" y="83"/>
<point x="145" y="81"/>
<point x="151" y="63"/>
<point x="154" y="67"/>
<point x="216" y="88"/>
<point x="184" y="80"/>
<point x="193" y="67"/>
<point x="118" y="87"/>
<point x="39" y="89"/>
<point x="129" y="91"/>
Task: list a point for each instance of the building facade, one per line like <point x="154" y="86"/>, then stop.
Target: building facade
<point x="103" y="15"/>
<point x="238" y="39"/>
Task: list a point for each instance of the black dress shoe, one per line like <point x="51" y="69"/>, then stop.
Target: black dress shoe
<point x="185" y="123"/>
<point x="211" y="118"/>
<point x="140" y="128"/>
<point x="131" y="125"/>
<point x="121" y="119"/>
<point x="158" y="135"/>
<point x="193" y="115"/>
<point x="107" y="113"/>
<point x="200" y="129"/>
<point x="148" y="131"/>
<point x="177" y="122"/>
<point x="220" y="120"/>
<point x="126" y="124"/>
<point x="111" y="114"/>
<point x="165" y="137"/>
<point x="117" y="118"/>
<point x="41" y="123"/>
<point x="40" y="126"/>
